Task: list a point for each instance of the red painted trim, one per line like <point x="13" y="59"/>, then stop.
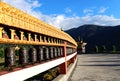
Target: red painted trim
<point x="63" y="67"/>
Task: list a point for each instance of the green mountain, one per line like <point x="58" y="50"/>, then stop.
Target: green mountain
<point x="101" y="36"/>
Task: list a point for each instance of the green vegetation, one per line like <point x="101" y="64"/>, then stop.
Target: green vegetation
<point x="46" y="76"/>
<point x="113" y="49"/>
<point x="104" y="49"/>
<point x="96" y="49"/>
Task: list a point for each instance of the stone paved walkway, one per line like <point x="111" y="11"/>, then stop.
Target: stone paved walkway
<point x="97" y="67"/>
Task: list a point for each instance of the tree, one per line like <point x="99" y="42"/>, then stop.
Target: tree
<point x="113" y="49"/>
<point x="96" y="49"/>
<point x="104" y="48"/>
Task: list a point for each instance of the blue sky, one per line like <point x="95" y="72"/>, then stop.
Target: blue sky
<point x="78" y="7"/>
<point x="67" y="14"/>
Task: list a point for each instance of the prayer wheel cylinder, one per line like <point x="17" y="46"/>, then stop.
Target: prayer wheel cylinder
<point x="46" y="53"/>
<point x="40" y="54"/>
<point x="61" y="51"/>
<point x="58" y="51"/>
<point x="55" y="52"/>
<point x="10" y="57"/>
<point x="33" y="55"/>
<point x="51" y="52"/>
<point x="23" y="56"/>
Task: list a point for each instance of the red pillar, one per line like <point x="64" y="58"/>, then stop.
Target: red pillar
<point x="63" y="66"/>
<point x="73" y="59"/>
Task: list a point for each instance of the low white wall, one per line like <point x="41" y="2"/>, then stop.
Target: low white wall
<point x="24" y="74"/>
<point x="65" y="77"/>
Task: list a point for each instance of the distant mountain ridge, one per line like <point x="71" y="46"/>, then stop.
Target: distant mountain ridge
<point x="97" y="35"/>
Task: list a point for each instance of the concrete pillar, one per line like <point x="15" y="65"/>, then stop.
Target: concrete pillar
<point x="41" y="40"/>
<point x="21" y="35"/>
<point x="12" y="33"/>
<point x="58" y="41"/>
<point x="63" y="66"/>
<point x="29" y="36"/>
<point x="1" y="29"/>
<point x="44" y="38"/>
<point x="48" y="39"/>
<point x="51" y="40"/>
<point x="35" y="37"/>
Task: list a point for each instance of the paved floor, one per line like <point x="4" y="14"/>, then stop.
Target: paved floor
<point x="97" y="67"/>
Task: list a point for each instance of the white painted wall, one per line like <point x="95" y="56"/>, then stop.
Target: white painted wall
<point x="23" y="74"/>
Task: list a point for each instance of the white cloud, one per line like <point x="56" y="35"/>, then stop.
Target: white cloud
<point x="87" y="11"/>
<point x="103" y="9"/>
<point x="36" y="4"/>
<point x="61" y="20"/>
<point x="101" y="20"/>
<point x="68" y="10"/>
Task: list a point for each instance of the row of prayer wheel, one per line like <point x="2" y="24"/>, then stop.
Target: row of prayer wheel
<point x="33" y="55"/>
